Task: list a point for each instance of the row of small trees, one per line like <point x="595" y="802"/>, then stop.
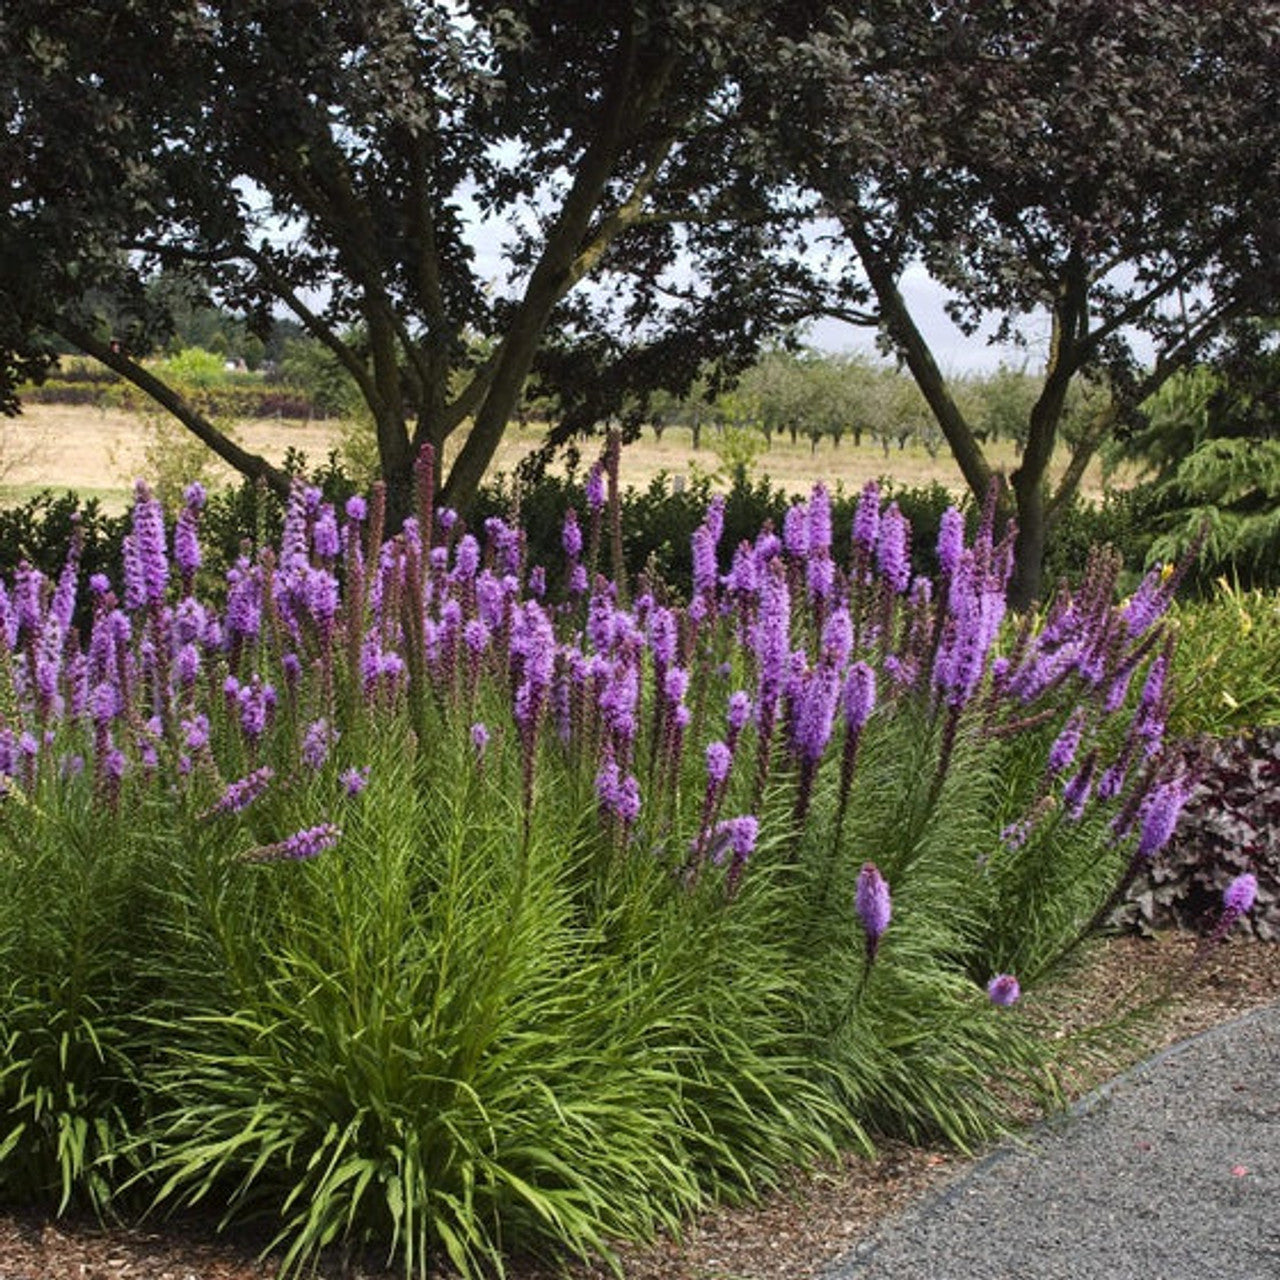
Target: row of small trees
<point x="822" y="397"/>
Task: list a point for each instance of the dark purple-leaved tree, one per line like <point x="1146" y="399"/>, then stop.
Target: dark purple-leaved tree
<point x="334" y="161"/>
<point x="1105" y="170"/>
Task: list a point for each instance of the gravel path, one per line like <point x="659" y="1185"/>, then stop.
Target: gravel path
<point x="1170" y="1171"/>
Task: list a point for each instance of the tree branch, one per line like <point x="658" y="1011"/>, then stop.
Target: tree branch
<point x="620" y="110"/>
<point x="248" y="464"/>
<point x="915" y="351"/>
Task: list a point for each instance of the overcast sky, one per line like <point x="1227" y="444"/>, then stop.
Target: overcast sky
<point x="954" y="352"/>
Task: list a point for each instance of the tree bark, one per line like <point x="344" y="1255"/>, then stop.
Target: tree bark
<point x="919" y="359"/>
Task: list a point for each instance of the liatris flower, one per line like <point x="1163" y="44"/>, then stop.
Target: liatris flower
<point x="1148" y="603"/>
<point x="316" y="742"/>
<point x="743" y="580"/>
<point x="62" y="606"/>
<point x="479" y="739"/>
<point x="618" y="793"/>
<point x="1237" y="900"/>
<point x="874" y="906"/>
<point x="356" y="509"/>
<point x="714" y="519"/>
<point x="795" y="530"/>
<point x="1239" y="896"/>
<point x="819" y="575"/>
<point x="1153" y="705"/>
<point x="771" y="638"/>
<point x="866" y="520"/>
<point x="299" y="847"/>
<point x="466" y="558"/>
<point x="1067" y="743"/>
<point x="819" y="520"/>
<point x="257" y="701"/>
<point x="719" y="762"/>
<point x="105" y="702"/>
<point x="243" y="617"/>
<point x="325" y="539"/>
<point x="239" y="795"/>
<point x="893" y="557"/>
<point x="571" y="535"/>
<point x="1075" y="795"/>
<point x="950" y="540"/>
<point x="1160" y="815"/>
<point x="837" y="638"/>
<point x="595" y="487"/>
<point x="620" y="698"/>
<point x="1003" y="990"/>
<point x="813" y="712"/>
<point x="675" y="684"/>
<point x="186" y="542"/>
<point x="704" y="561"/>
<point x="664" y="637"/>
<point x="736" y="839"/>
<point x="195" y="732"/>
<point x="354" y="781"/>
<point x="859" y="695"/>
<point x="146" y="565"/>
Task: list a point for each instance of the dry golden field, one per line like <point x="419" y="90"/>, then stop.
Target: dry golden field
<point x="100" y="453"/>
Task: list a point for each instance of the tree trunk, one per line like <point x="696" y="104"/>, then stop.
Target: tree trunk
<point x="1028" y="548"/>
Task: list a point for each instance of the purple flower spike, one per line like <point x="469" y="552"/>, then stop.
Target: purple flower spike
<point x="299" y="847"/>
<point x="354" y="781"/>
<point x="618" y="793"/>
<point x="1003" y="990"/>
<point x="186" y="544"/>
<point x="950" y="540"/>
<point x="479" y="738"/>
<point x="1067" y="743"/>
<point x="814" y="710"/>
<point x="859" y="695"/>
<point x="893" y="557"/>
<point x="571" y="535"/>
<point x="736" y="837"/>
<point x="866" y="519"/>
<point x="146" y="565"/>
<point x="739" y="711"/>
<point x="819" y="520"/>
<point x="704" y="561"/>
<point x="242" y="793"/>
<point x="595" y="487"/>
<point x="1239" y="896"/>
<point x="316" y="742"/>
<point x="795" y="530"/>
<point x="874" y="905"/>
<point x="1160" y="817"/>
<point x="719" y="761"/>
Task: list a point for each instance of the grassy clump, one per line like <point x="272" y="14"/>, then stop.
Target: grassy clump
<point x="400" y="903"/>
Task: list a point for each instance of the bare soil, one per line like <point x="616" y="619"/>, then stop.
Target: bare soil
<point x="102" y="451"/>
<point x="812" y="1217"/>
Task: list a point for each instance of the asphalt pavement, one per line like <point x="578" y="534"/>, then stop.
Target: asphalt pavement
<point x="1169" y="1172"/>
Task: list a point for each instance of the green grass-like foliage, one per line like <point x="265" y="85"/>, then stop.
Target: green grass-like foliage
<point x="1228" y="662"/>
<point x="493" y="1006"/>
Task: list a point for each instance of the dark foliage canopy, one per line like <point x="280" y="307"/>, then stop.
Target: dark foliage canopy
<point x="673" y="183"/>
